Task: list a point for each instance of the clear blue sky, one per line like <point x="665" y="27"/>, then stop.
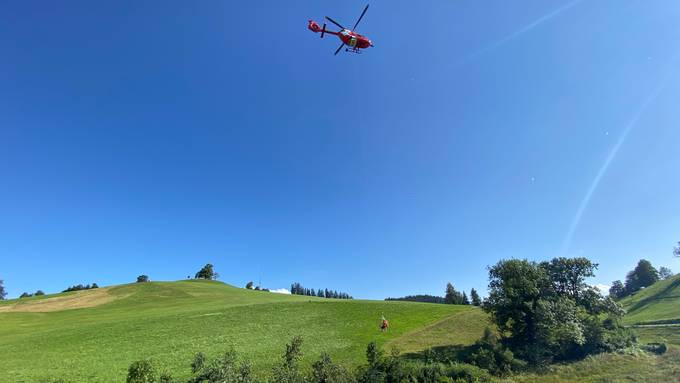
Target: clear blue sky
<point x="154" y="137"/>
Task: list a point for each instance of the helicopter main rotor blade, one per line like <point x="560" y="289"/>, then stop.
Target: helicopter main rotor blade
<point x="335" y="22"/>
<point x="361" y="17"/>
<point x="338" y="50"/>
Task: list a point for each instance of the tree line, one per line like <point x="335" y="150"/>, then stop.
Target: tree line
<point x="643" y="275"/>
<point x="451" y="297"/>
<point x="81" y="287"/>
<point x="423" y="298"/>
<point x="297" y="289"/>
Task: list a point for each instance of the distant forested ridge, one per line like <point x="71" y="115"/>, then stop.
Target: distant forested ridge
<point x="424" y="298"/>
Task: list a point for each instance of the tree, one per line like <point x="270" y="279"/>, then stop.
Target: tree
<point x="319" y="293"/>
<point x="142" y="278"/>
<point x="289" y="371"/>
<point x="452" y="296"/>
<point x="676" y="250"/>
<point x="249" y="285"/>
<point x="39" y="293"/>
<point x="3" y="293"/>
<point x="568" y="274"/>
<point x="543" y="316"/>
<point x="665" y="272"/>
<point x="618" y="290"/>
<point x="465" y="299"/>
<point x="207" y="272"/>
<point x="643" y="275"/>
<point x="25" y="295"/>
<point x="94" y="286"/>
<point x="474" y="297"/>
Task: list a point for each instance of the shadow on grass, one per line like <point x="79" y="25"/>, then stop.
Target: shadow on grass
<point x="663" y="294"/>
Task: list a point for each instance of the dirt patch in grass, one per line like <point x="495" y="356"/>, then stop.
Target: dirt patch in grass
<point x="76" y="300"/>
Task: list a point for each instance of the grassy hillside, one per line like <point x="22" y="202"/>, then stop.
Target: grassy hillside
<point x="659" y="303"/>
<point x="94" y="335"/>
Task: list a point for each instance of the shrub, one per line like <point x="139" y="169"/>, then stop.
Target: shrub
<point x="288" y="371"/>
<point x="467" y="373"/>
<point x="224" y="369"/>
<point x="142" y="278"/>
<point x="198" y="363"/>
<point x="141" y="371"/>
<point x="39" y="293"/>
<point x="326" y="371"/>
<point x="488" y="353"/>
<point x="656" y="348"/>
<point x="25" y="295"/>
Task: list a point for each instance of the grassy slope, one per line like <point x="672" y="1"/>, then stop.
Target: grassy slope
<point x="659" y="302"/>
<point x="170" y="321"/>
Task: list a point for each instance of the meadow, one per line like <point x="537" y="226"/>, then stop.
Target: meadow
<point x="94" y="335"/>
<point x="56" y="337"/>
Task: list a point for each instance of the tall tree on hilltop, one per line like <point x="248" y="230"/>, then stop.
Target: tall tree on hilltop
<point x="665" y="272"/>
<point x="474" y="297"/>
<point x="207" y="272"/>
<point x="3" y="293"/>
<point x="644" y="275"/>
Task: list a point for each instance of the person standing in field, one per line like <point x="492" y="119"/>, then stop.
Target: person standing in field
<point x="384" y="324"/>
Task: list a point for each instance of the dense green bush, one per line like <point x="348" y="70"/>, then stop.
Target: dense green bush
<point x="142" y="371"/>
<point x="546" y="312"/>
<point x="656" y="348"/>
<point x="325" y="370"/>
<point x="224" y="369"/>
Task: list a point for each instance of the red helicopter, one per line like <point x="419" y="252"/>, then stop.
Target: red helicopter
<point x="354" y="41"/>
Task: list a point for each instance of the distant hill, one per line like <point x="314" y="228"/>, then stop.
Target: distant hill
<point x="94" y="335"/>
<point x="656" y="304"/>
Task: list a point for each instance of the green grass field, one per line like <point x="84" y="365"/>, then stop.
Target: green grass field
<point x="656" y="304"/>
<point x="93" y="336"/>
<point x="171" y="321"/>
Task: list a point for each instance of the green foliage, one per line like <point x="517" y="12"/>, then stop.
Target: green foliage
<point x="249" y="285"/>
<point x="207" y="272"/>
<point x="643" y="275"/>
<point x="142" y="278"/>
<point x="547" y="312"/>
<point x="3" y="293"/>
<point x="80" y="287"/>
<point x="452" y="296"/>
<point x="617" y="290"/>
<point x="488" y="353"/>
<point x="198" y="362"/>
<point x="656" y="348"/>
<point x="289" y="370"/>
<point x="665" y="272"/>
<point x="142" y="371"/>
<point x="224" y="369"/>
<point x="474" y="298"/>
<point x="325" y="370"/>
<point x="676" y="250"/>
<point x="25" y="295"/>
<point x="424" y="298"/>
<point x="39" y="293"/>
